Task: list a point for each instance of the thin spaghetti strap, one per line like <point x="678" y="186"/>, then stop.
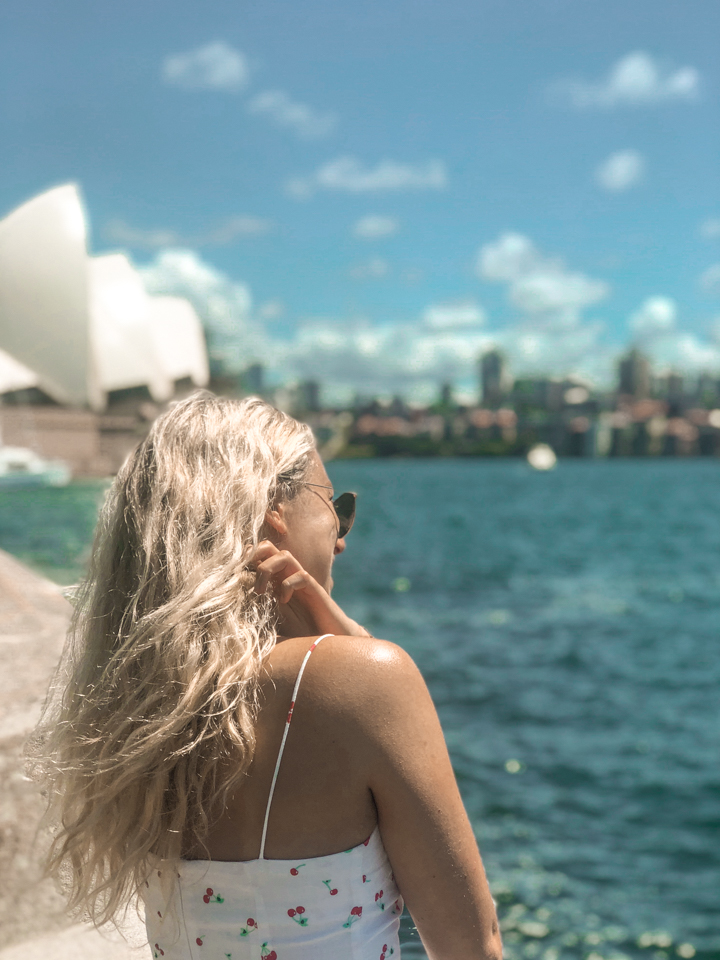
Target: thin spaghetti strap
<point x="284" y="738"/>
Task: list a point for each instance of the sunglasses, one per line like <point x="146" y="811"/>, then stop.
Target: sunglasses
<point x="344" y="506"/>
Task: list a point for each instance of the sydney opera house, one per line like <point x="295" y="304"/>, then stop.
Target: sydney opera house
<point x="86" y="354"/>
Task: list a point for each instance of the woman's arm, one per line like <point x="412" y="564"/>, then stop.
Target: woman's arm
<point x="423" y="822"/>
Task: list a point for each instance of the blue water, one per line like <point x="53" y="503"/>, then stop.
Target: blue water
<point x="566" y="624"/>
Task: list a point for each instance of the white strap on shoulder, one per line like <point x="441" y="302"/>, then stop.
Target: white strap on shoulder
<point x="282" y="745"/>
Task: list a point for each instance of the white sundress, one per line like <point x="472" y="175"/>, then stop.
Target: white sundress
<point x="343" y="906"/>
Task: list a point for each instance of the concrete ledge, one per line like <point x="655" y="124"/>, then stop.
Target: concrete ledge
<point x="80" y="941"/>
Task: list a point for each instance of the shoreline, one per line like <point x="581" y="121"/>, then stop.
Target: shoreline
<point x="34" y="924"/>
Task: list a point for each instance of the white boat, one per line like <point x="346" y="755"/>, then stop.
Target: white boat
<point x="541" y="457"/>
<point x="21" y="467"/>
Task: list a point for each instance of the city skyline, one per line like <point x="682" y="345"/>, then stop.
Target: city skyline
<point x="375" y="198"/>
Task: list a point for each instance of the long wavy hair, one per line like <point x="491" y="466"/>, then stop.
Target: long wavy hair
<point x="150" y="719"/>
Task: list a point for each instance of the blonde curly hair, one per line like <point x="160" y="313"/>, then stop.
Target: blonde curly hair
<point x="150" y="719"/>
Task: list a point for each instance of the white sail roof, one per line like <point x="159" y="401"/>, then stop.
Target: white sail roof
<point x="79" y="327"/>
<point x="121" y="320"/>
<point x="43" y="294"/>
<point x="15" y="375"/>
<point x="179" y="340"/>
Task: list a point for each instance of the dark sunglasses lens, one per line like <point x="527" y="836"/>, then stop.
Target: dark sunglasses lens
<point x="345" y="510"/>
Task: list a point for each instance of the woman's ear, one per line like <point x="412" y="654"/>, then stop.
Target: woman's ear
<point x="274" y="518"/>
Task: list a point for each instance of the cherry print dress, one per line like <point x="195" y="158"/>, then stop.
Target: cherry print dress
<point x="344" y="906"/>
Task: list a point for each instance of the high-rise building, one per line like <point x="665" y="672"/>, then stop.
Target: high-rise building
<point x="308" y="396"/>
<point x="446" y="395"/>
<point x="493" y="378"/>
<point x="707" y="387"/>
<point x="253" y="378"/>
<point x="634" y="375"/>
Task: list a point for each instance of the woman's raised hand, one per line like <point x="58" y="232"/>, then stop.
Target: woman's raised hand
<point x="307" y="607"/>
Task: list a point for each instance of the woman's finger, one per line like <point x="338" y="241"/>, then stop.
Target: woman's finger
<point x="297" y="581"/>
<point x="280" y="565"/>
<point x="265" y="549"/>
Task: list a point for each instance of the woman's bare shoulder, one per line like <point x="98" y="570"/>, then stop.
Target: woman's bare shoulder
<point x="364" y="662"/>
<point x="349" y="672"/>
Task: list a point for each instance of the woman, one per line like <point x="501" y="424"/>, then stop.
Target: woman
<point x="172" y="765"/>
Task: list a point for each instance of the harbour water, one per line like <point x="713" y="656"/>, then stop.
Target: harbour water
<point x="567" y="626"/>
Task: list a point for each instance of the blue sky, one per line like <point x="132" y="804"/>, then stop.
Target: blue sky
<point x="373" y="196"/>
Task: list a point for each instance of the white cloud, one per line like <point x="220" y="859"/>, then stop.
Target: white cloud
<point x="454" y="316"/>
<point x="509" y="258"/>
<point x="654" y="325"/>
<point x="620" y="171"/>
<point x="215" y="66"/>
<point x="373" y="269"/>
<point x="710" y="228"/>
<point x="384" y="360"/>
<point x="223" y="305"/>
<point x="710" y="279"/>
<point x="118" y="231"/>
<point x="271" y="310"/>
<point x="350" y="175"/>
<point x="556" y="294"/>
<point x="637" y="79"/>
<point x="299" y="189"/>
<point x="539" y="286"/>
<point x="689" y="354"/>
<point x="305" y="121"/>
<point x="682" y="352"/>
<point x="414" y="359"/>
<point x="577" y="351"/>
<point x="655" y="317"/>
<point x="374" y="227"/>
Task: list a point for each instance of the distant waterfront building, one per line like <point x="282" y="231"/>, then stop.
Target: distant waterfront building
<point x="539" y="393"/>
<point x="493" y="378"/>
<point x="253" y="378"/>
<point x="308" y="396"/>
<point x="707" y="387"/>
<point x="634" y="375"/>
<point x="675" y="386"/>
<point x="446" y="395"/>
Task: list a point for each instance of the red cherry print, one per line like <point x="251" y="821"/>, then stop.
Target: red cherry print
<point x="209" y="891"/>
<point x="206" y="898"/>
<point x="159" y="914"/>
<point x="250" y="922"/>
<point x="198" y="941"/>
<point x="356" y="912"/>
<point x="291" y="912"/>
<point x="300" y="909"/>
<point x="333" y="892"/>
<point x="271" y="956"/>
<point x="364" y="878"/>
<point x="384" y="948"/>
<point x="294" y="871"/>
